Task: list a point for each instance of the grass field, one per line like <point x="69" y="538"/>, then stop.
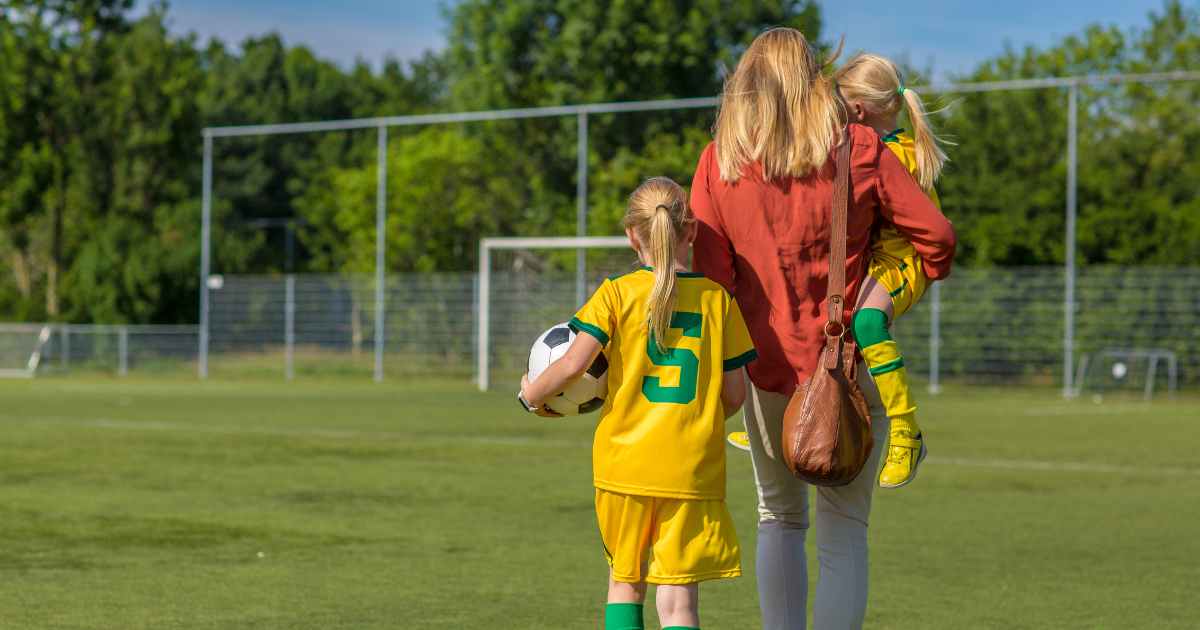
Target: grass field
<point x="176" y="504"/>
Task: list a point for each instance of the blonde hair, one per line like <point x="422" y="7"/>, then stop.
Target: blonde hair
<point x="658" y="214"/>
<point x="778" y="109"/>
<point x="876" y="83"/>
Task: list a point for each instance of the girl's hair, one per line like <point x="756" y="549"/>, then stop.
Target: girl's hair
<point x="778" y="109"/>
<point x="658" y="214"/>
<point x="876" y="83"/>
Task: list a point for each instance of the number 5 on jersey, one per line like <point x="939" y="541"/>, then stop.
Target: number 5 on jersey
<point x="682" y="358"/>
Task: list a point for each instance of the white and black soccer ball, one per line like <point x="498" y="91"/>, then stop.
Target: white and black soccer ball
<point x="583" y="395"/>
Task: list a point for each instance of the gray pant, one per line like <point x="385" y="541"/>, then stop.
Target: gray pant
<point x="841" y="525"/>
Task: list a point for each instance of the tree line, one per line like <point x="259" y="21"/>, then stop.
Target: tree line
<point x="101" y="112"/>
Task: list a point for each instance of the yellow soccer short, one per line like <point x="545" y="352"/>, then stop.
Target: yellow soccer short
<point x="896" y="265"/>
<point x="667" y="541"/>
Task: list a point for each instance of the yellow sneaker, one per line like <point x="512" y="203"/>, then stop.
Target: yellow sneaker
<point x="739" y="439"/>
<point x="905" y="453"/>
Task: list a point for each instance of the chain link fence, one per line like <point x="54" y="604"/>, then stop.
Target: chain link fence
<point x="996" y="326"/>
<point x="43" y="349"/>
<point x="983" y="326"/>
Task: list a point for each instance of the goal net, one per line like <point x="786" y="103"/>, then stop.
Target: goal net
<point x="527" y="285"/>
<point x="1130" y="370"/>
<point x="21" y="349"/>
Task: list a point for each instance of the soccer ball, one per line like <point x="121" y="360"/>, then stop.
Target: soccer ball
<point x="1119" y="370"/>
<point x="586" y="393"/>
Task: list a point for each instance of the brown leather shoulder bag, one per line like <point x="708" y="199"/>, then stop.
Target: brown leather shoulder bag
<point x="827" y="425"/>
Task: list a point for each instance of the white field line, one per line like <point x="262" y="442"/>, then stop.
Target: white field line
<point x="1094" y="410"/>
<point x="517" y="440"/>
<point x="1053" y="466"/>
<point x="317" y="432"/>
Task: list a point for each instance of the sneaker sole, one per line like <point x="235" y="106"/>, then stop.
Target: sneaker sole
<point x="737" y="445"/>
<point x="917" y="468"/>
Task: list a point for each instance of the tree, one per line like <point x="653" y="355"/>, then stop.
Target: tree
<point x="1137" y="158"/>
<point x="533" y="53"/>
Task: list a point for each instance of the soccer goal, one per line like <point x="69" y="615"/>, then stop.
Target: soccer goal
<point x="527" y="285"/>
<point x="1126" y="369"/>
<point x="21" y="349"/>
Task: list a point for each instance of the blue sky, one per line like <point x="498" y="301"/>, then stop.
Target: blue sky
<point x="945" y="35"/>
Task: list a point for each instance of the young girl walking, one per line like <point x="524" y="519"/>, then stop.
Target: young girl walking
<point x="874" y="95"/>
<point x="676" y="343"/>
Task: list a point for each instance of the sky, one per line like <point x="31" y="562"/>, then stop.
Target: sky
<point x="944" y="35"/>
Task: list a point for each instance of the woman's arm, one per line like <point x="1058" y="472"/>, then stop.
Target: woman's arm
<point x="713" y="252"/>
<point x="902" y="202"/>
<point x="571" y="366"/>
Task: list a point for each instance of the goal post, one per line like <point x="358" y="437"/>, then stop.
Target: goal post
<point x="489" y="246"/>
<point x="21" y="348"/>
<point x="1114" y="369"/>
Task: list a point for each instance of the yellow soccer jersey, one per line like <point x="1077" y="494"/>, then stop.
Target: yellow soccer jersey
<point x="890" y="240"/>
<point x="662" y="428"/>
<point x="902" y="145"/>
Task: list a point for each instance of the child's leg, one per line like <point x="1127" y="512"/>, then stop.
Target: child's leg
<point x="886" y="364"/>
<point x="678" y="606"/>
<point x="624" y="608"/>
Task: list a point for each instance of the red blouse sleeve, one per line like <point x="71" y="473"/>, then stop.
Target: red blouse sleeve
<point x="902" y="202"/>
<point x="713" y="253"/>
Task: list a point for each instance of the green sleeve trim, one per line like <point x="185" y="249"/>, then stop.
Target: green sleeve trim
<point x="890" y="366"/>
<point x="740" y="360"/>
<point x="594" y="331"/>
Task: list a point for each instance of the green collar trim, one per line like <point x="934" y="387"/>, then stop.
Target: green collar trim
<point x="678" y="274"/>
<point x="893" y="135"/>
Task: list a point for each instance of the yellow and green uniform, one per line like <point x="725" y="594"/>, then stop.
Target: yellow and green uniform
<point x="895" y="265"/>
<point x="894" y="261"/>
<point x="658" y="458"/>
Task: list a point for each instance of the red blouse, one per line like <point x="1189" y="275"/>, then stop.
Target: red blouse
<point x="768" y="244"/>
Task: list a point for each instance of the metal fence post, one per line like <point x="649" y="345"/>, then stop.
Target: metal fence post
<point x="289" y="326"/>
<point x="380" y="245"/>
<point x="485" y="282"/>
<point x="581" y="206"/>
<point x="935" y="338"/>
<point x="65" y="338"/>
<point x="123" y="351"/>
<point x="1069" y="292"/>
<point x="475" y="329"/>
<point x="205" y="256"/>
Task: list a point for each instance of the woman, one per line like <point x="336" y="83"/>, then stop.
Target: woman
<point x="763" y="195"/>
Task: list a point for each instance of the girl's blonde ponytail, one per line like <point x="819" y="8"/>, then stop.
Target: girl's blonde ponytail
<point x="875" y="82"/>
<point x="930" y="156"/>
<point x="658" y="215"/>
<point x="662" y="258"/>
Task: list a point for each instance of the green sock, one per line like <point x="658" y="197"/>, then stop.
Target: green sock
<point x="623" y="617"/>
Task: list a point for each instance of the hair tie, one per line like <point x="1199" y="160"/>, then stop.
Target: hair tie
<point x="900" y="90"/>
<point x="663" y="207"/>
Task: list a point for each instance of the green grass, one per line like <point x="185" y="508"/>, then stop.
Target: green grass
<point x="177" y="504"/>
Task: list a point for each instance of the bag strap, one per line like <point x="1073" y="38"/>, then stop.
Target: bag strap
<point x="836" y="294"/>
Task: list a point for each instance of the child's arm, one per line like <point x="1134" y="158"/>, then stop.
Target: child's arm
<point x="733" y="391"/>
<point x="571" y="366"/>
